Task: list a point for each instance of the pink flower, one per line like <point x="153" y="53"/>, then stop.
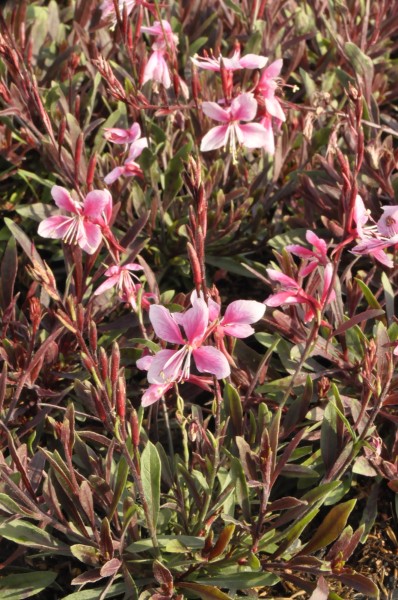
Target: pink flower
<point x="293" y="293"/>
<point x="85" y="225"/>
<point x="267" y="86"/>
<point x="123" y="136"/>
<point x="165" y="38"/>
<point x="157" y="69"/>
<point x="249" y="61"/>
<point x="375" y="238"/>
<point x="122" y="277"/>
<point x="243" y="108"/>
<point x="174" y="365"/>
<point x="130" y="168"/>
<point x="315" y="257"/>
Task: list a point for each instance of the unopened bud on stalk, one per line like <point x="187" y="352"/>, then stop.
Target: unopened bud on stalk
<point x="87" y="362"/>
<point x="99" y="405"/>
<point x="196" y="270"/>
<point x="121" y="398"/>
<point x="92" y="163"/>
<point x="93" y="337"/>
<point x="78" y="155"/>
<point x="115" y="363"/>
<point x="103" y="363"/>
<point x="135" y="428"/>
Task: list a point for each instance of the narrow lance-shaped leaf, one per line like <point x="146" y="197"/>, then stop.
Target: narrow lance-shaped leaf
<point x="331" y="527"/>
<point x="150" y="475"/>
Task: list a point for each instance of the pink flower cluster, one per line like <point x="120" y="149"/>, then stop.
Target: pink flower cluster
<point x="375" y="238"/>
<point x="292" y="291"/>
<point x="137" y="144"/>
<point x="190" y="331"/>
<point x="244" y="107"/>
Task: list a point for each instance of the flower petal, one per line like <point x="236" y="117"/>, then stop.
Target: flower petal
<point x="114" y="174"/>
<point x="211" y="360"/>
<point x="195" y="321"/>
<point x="274" y="69"/>
<point x="89" y="237"/>
<point x="216" y="112"/>
<point x="254" y="135"/>
<point x="238" y="330"/>
<point x="107" y="285"/>
<point x="283" y="298"/>
<point x="164" y="325"/>
<point x="253" y="61"/>
<point x="243" y="311"/>
<point x="244" y="107"/>
<point x="285" y="280"/>
<point x="215" y="138"/>
<point x="166" y="366"/>
<point x="55" y="227"/>
<point x="97" y="202"/>
<point x="136" y="148"/>
<point x="154" y="393"/>
<point x="274" y="108"/>
<point x="64" y="200"/>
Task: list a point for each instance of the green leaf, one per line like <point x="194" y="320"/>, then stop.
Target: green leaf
<point x="173" y="179"/>
<point x="370" y="298"/>
<point x="362" y="65"/>
<point x="206" y="592"/>
<point x="27" y="534"/>
<point x="86" y="554"/>
<point x="150" y="475"/>
<point x="117" y="589"/>
<point x="243" y="581"/>
<point x="25" y="585"/>
<point x="233" y="406"/>
<point x="24" y="241"/>
<point x="120" y="485"/>
<point x="331" y="527"/>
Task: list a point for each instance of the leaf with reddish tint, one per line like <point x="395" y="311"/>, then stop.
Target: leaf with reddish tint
<point x="360" y="583"/>
<point x="8" y="272"/>
<point x="331" y="527"/>
<point x="223" y="540"/>
<point x="26" y="244"/>
<point x="372" y="313"/>
<point x="86" y="554"/>
<point x="111" y="567"/>
<point x="162" y="575"/>
<point x="206" y="592"/>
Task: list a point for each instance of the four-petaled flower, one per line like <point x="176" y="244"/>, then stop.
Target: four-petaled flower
<point x="267" y="86"/>
<point x="175" y="365"/>
<point x="236" y="62"/>
<point x="375" y="238"/>
<point x="315" y="257"/>
<point x="122" y="136"/>
<point x="87" y="222"/>
<point x="293" y="293"/>
<point x="122" y="277"/>
<point x="130" y="168"/>
<point x="243" y="108"/>
<point x="166" y="41"/>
